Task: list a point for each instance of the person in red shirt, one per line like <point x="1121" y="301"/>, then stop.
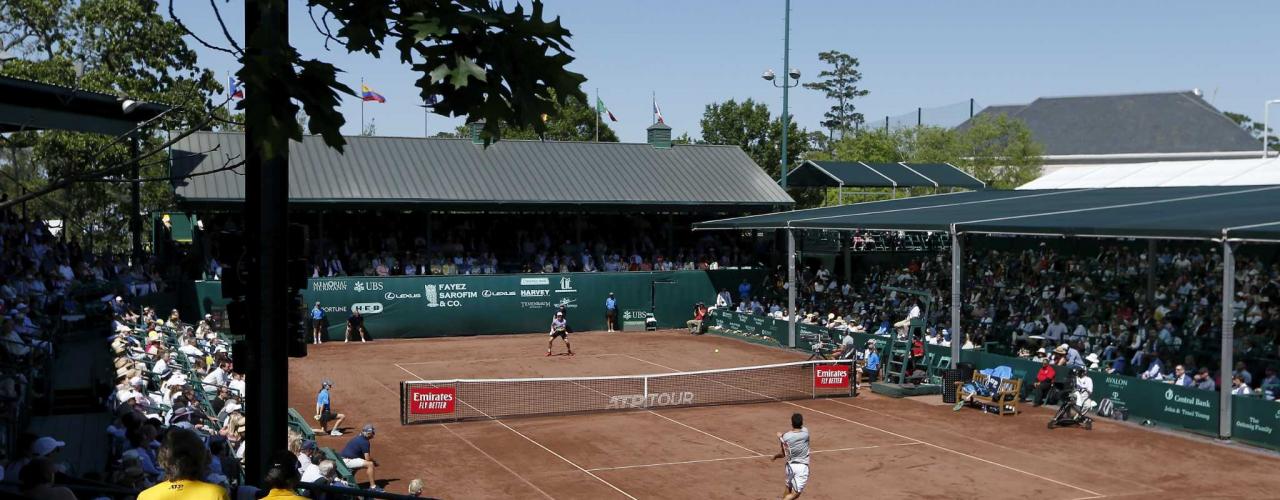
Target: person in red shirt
<point x="695" y="324"/>
<point x="1044" y="383"/>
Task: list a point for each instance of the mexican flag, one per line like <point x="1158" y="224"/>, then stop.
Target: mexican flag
<point x="601" y="109"/>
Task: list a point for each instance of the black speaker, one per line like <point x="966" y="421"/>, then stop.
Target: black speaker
<point x="966" y="371"/>
<point x="949" y="379"/>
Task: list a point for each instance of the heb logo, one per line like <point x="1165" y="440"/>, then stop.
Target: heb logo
<point x="830" y="376"/>
<point x="431" y="400"/>
<point x="367" y="307"/>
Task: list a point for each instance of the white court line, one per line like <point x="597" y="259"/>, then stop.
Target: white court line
<point x="980" y="459"/>
<point x="707" y="460"/>
<point x="713" y="436"/>
<point x="415" y="375"/>
<point x="548" y="450"/>
<point x="963" y="454"/>
<point x="589" y="473"/>
<point x="708" y="434"/>
<point x="496" y="461"/>
<point x="1147" y="487"/>
<point x="501" y="359"/>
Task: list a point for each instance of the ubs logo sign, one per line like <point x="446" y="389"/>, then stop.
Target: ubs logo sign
<point x="372" y="286"/>
<point x="566" y="285"/>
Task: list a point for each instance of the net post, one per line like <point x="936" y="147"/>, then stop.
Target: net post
<point x="646" y="388"/>
<point x="404" y="416"/>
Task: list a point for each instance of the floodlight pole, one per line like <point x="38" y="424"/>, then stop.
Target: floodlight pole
<point x="1228" y="337"/>
<point x="957" y="266"/>
<point x="1266" y="119"/>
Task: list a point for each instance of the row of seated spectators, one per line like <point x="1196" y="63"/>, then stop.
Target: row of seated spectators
<point x="1094" y="299"/>
<point x="45" y="285"/>
<point x="178" y="420"/>
<point x="543" y="243"/>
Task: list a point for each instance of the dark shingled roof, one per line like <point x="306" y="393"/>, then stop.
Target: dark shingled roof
<point x="381" y="171"/>
<point x="1170" y="122"/>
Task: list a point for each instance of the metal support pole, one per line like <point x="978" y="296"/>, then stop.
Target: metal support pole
<point x="1151" y="272"/>
<point x="840" y="194"/>
<point x="786" y="76"/>
<point x="135" y="203"/>
<point x="1266" y="124"/>
<point x="919" y="116"/>
<point x="1228" y="338"/>
<point x="970" y="107"/>
<point x="845" y="243"/>
<point x="791" y="288"/>
<point x="266" y="222"/>
<point x="957" y="266"/>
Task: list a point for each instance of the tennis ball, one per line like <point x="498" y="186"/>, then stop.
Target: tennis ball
<point x="717" y="350"/>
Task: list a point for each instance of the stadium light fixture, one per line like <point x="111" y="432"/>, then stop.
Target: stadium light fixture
<point x="768" y="75"/>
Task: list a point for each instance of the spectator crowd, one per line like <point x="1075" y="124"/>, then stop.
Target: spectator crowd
<point x="542" y="243"/>
<point x="1092" y="300"/>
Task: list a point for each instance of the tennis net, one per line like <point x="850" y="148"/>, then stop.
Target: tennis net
<point x="468" y="399"/>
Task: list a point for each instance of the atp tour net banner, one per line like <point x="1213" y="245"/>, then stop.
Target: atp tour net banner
<point x="435" y="306"/>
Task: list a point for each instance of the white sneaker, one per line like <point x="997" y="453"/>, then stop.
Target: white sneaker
<point x="346" y="341"/>
<point x="363" y="340"/>
<point x="335" y="432"/>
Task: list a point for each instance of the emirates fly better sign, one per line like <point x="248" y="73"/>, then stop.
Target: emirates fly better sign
<point x="830" y="376"/>
<point x="431" y="400"/>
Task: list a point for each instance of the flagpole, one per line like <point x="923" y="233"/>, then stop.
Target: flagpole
<point x="653" y="107"/>
<point x="361" y="106"/>
<point x="597" y="114"/>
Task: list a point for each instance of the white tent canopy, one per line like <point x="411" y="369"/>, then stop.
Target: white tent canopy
<point x="1247" y="172"/>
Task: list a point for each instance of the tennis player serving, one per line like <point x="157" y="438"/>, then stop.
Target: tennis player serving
<point x="559" y="328"/>
<point x="795" y="449"/>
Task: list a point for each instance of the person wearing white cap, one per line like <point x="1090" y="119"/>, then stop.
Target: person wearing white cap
<point x="1092" y="358"/>
<point x="559" y="328"/>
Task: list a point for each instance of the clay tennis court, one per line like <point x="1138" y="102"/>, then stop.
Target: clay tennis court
<point x="864" y="447"/>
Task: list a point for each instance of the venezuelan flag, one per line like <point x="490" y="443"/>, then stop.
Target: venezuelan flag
<point x="368" y="94"/>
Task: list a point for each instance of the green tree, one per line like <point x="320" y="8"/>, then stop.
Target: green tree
<point x="1000" y="151"/>
<point x="572" y="121"/>
<point x="873" y="146"/>
<point x="1255" y="129"/>
<point x="840" y="84"/>
<point x="121" y="47"/>
<point x="749" y="126"/>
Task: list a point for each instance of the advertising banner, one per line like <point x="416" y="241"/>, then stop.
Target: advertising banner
<point x="831" y="376"/>
<point x="433" y="306"/>
<point x="1256" y="420"/>
<point x="431" y="400"/>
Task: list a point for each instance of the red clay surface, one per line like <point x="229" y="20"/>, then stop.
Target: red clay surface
<point x="865" y="447"/>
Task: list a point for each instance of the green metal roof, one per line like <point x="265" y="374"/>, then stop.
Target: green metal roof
<point x="886" y="175"/>
<point x="507" y="175"/>
<point x="1238" y="212"/>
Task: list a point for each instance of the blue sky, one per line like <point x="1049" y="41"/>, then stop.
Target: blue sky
<point x="913" y="53"/>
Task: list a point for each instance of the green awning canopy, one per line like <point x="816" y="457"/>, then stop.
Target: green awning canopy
<point x="882" y="175"/>
<point x="1249" y="213"/>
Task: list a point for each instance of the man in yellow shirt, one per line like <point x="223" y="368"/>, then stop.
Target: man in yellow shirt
<point x="184" y="460"/>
